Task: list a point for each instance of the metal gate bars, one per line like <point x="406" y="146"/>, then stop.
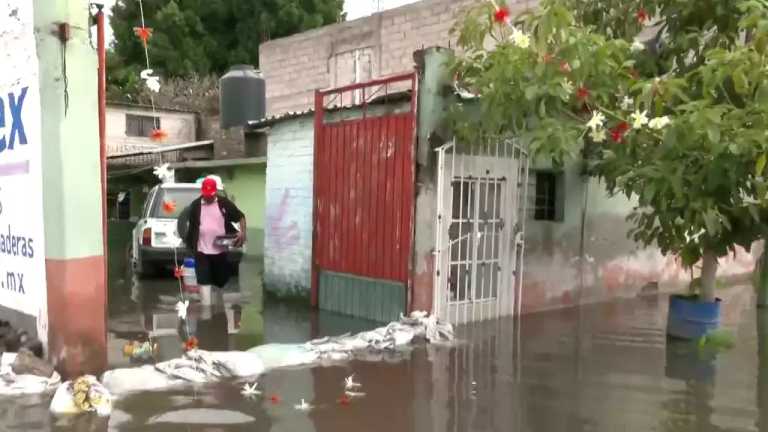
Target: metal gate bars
<point x="481" y="200"/>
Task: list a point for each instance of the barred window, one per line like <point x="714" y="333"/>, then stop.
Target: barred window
<point x="140" y="125"/>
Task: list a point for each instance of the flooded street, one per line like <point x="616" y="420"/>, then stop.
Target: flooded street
<point x="604" y="367"/>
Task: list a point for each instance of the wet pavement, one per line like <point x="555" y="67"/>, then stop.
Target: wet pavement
<point x="603" y="367"/>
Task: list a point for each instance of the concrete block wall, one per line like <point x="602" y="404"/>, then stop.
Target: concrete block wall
<point x="288" y="219"/>
<point x="181" y="128"/>
<point x="295" y="66"/>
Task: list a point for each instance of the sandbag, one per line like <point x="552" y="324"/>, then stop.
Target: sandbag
<point x="131" y="380"/>
<point x="390" y="343"/>
<point x="12" y="384"/>
<point x="195" y="367"/>
<point x="200" y="366"/>
<point x="274" y="356"/>
<point x="379" y="343"/>
<point x="82" y="395"/>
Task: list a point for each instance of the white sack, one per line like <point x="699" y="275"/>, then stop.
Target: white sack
<point x="274" y="356"/>
<point x="63" y="402"/>
<point x="15" y="385"/>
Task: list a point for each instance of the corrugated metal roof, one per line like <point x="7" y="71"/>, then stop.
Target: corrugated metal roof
<point x="162" y="149"/>
<point x="149" y="107"/>
<point x="270" y="120"/>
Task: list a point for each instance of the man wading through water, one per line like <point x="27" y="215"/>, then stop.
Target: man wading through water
<point x="203" y="225"/>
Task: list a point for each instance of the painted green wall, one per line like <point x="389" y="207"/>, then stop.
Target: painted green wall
<point x="71" y="172"/>
<point x="245" y="186"/>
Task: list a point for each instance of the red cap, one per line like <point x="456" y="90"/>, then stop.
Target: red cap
<point x="209" y="188"/>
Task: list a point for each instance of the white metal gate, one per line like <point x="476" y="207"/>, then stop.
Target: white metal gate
<point x="481" y="199"/>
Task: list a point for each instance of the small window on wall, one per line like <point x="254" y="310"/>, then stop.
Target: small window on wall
<point x="546" y="201"/>
<point x="140" y="125"/>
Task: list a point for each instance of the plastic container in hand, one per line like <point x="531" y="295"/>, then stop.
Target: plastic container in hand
<point x="188" y="273"/>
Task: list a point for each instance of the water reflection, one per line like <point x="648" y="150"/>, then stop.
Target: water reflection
<point x="690" y="408"/>
<point x="762" y="369"/>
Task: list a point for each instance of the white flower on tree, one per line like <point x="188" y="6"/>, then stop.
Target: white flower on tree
<point x="659" y="122"/>
<point x="597" y="135"/>
<point x="639" y="119"/>
<point x="597" y="121"/>
<point x="520" y="39"/>
<point x="627" y="103"/>
<point x="567" y="85"/>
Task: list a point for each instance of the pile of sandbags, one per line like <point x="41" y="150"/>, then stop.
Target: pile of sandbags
<point x="392" y="337"/>
<point x="197" y="366"/>
<point x="24" y="373"/>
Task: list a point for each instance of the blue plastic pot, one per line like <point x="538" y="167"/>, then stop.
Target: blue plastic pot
<point x="691" y="319"/>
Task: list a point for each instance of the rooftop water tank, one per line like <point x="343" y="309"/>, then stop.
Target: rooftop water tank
<point x="242" y="96"/>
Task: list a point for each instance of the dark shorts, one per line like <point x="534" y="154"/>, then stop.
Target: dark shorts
<point x="212" y="269"/>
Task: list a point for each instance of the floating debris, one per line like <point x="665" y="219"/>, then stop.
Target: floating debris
<point x="344" y="400"/>
<point x="250" y="391"/>
<point x="191" y="344"/>
<point x="141" y="351"/>
<point x="350" y="384"/>
<point x="303" y="406"/>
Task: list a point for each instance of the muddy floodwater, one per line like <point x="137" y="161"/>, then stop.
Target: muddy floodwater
<point x="603" y="367"/>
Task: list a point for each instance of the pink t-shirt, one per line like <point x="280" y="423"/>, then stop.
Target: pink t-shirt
<point x="211" y="226"/>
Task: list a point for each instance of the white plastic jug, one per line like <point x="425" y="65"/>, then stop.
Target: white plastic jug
<point x="188" y="272"/>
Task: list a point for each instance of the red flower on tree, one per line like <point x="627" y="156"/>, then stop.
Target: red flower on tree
<point x="565" y="67"/>
<point x="582" y="93"/>
<point x="546" y="58"/>
<point x="642" y="16"/>
<point x="618" y="132"/>
<point x="501" y="15"/>
<point x="144" y="33"/>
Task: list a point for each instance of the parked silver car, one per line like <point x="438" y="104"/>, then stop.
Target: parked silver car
<point x="155" y="236"/>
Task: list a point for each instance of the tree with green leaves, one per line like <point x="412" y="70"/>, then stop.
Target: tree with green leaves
<point x="193" y="38"/>
<point x="667" y="101"/>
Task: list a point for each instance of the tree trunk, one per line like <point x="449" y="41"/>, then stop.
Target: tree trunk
<point x="708" y="277"/>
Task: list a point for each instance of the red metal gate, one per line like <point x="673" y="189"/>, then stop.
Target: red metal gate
<point x="364" y="181"/>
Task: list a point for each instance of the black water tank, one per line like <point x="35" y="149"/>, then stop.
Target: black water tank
<point x="242" y="96"/>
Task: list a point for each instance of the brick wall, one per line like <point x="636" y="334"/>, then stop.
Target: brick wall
<point x="288" y="223"/>
<point x="383" y="44"/>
